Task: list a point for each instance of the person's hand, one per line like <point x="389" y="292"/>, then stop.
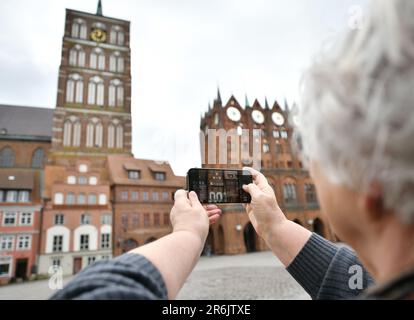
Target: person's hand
<point x="213" y="213"/>
<point x="189" y="215"/>
<point x="263" y="211"/>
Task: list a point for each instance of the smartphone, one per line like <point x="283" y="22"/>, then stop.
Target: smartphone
<point x="219" y="186"/>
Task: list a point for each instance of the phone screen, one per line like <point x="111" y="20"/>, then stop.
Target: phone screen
<point x="219" y="186"/>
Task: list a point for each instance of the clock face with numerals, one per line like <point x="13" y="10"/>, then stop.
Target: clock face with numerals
<point x="233" y="114"/>
<point x="278" y="119"/>
<point x="98" y="35"/>
<point x="258" y="117"/>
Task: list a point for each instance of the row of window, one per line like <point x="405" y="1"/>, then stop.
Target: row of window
<point x="97" y="60"/>
<point x="11" y="219"/>
<point x="84" y="242"/>
<point x="278" y="148"/>
<point x="290" y="196"/>
<point x="57" y="261"/>
<point x="24" y="242"/>
<point x="276" y="133"/>
<point x="82" y="180"/>
<point x="96" y="91"/>
<point x="85" y="219"/>
<point x="145" y="196"/>
<point x="80" y="199"/>
<point x="280" y="164"/>
<point x="133" y="220"/>
<point x="136" y="175"/>
<point x="72" y="134"/>
<point x="79" y="30"/>
<point x="7" y="158"/>
<point x="14" y="196"/>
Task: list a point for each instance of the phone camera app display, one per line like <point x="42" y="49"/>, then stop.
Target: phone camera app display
<point x="219" y="186"/>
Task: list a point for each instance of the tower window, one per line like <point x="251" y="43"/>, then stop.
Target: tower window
<point x="97" y="59"/>
<point x="216" y="119"/>
<point x="310" y="193"/>
<point x="96" y="92"/>
<point x="289" y="193"/>
<point x="74" y="89"/>
<point x="116" y="93"/>
<point x="119" y="137"/>
<point x="116" y="62"/>
<point x="94" y="134"/>
<point x="79" y="29"/>
<point x="117" y="36"/>
<point x="77" y="56"/>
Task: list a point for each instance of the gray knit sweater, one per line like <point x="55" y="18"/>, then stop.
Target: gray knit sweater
<point x="325" y="270"/>
<point x="321" y="268"/>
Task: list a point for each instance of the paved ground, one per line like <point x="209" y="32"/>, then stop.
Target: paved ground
<point x="251" y="276"/>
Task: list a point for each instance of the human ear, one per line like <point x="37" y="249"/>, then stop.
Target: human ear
<point x="373" y="203"/>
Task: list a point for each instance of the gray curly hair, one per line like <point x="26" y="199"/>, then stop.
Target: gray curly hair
<point x="356" y="116"/>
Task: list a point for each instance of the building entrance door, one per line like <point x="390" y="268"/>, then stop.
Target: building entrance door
<point x="21" y="268"/>
<point x="77" y="265"/>
<point x="250" y="238"/>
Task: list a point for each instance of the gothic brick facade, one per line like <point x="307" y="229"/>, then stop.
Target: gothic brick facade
<point x="293" y="187"/>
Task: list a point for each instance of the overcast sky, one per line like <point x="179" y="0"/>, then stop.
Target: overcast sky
<point x="181" y="51"/>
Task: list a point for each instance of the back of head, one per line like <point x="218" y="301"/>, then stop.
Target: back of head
<point x="357" y="110"/>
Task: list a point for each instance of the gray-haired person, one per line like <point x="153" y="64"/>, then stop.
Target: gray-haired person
<point x="356" y="124"/>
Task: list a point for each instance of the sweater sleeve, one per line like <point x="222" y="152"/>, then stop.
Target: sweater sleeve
<point x="324" y="270"/>
<point x="130" y="276"/>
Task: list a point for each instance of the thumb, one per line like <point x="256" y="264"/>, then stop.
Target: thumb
<point x="252" y="189"/>
<point x="194" y="200"/>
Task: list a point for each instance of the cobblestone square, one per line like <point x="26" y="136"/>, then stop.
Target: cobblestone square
<point x="251" y="276"/>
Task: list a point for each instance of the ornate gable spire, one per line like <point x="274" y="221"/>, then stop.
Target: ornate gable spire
<point x="99" y="9"/>
<point x="246" y="102"/>
<point x="266" y="104"/>
<point x="218" y="95"/>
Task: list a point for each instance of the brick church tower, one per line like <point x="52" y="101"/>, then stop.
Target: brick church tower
<point x="92" y="120"/>
<point x="270" y="127"/>
<point x="93" y="109"/>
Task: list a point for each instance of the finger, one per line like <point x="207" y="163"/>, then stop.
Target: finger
<point x="258" y="177"/>
<point x="252" y="189"/>
<point x="194" y="200"/>
<point x="211" y="207"/>
<point x="211" y="213"/>
<point x="214" y="219"/>
<point x="181" y="198"/>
